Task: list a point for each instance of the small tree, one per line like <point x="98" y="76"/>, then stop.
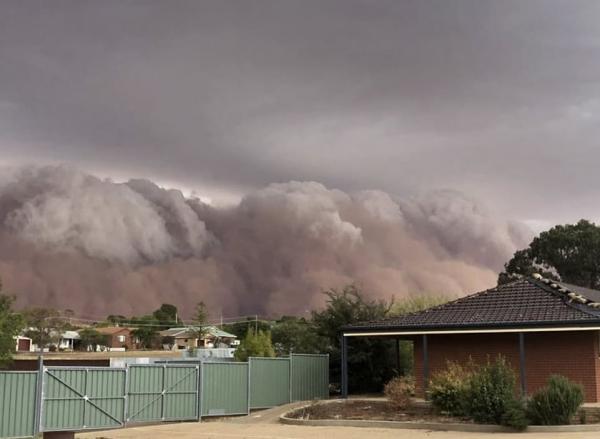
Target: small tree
<point x="255" y="345"/>
<point x="146" y="331"/>
<point x="45" y="326"/>
<point x="11" y="324"/>
<point x="89" y="337"/>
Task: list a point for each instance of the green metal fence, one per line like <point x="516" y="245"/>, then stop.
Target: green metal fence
<point x="18" y="403"/>
<point x="76" y="398"/>
<point x="310" y="377"/>
<point x="225" y="389"/>
<point x="162" y="393"/>
<point x="82" y="398"/>
<point x="269" y="382"/>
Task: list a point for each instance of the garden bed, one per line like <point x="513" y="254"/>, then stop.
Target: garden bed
<point x="370" y="410"/>
<point x="381" y="414"/>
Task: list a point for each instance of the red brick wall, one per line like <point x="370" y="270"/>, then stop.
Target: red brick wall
<point x="572" y="354"/>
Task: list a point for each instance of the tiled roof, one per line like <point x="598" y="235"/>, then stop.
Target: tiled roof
<point x="524" y="302"/>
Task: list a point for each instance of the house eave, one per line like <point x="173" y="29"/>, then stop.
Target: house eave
<point x="390" y="331"/>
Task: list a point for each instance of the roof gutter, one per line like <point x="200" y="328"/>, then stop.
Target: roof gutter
<point x="469" y="331"/>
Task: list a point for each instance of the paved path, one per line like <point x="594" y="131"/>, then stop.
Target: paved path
<point x="231" y="430"/>
<point x="264" y="425"/>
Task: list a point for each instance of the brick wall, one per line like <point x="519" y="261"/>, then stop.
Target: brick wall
<point x="572" y="354"/>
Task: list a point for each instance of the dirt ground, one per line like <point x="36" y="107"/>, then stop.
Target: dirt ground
<point x="372" y="410"/>
<point x="264" y="425"/>
<point x="272" y="431"/>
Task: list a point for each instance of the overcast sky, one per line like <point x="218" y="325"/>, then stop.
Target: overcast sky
<point x="499" y="99"/>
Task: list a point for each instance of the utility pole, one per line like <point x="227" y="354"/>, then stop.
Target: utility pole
<point x="256" y="324"/>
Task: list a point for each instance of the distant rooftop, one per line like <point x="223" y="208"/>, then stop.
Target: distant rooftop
<point x="190" y="330"/>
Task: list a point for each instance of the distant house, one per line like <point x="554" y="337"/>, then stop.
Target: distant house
<point x="187" y="338"/>
<point x="67" y="340"/>
<point x="64" y="341"/>
<point x="23" y="344"/>
<point x="118" y="338"/>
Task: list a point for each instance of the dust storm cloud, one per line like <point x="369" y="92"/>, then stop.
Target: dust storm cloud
<point x="71" y="240"/>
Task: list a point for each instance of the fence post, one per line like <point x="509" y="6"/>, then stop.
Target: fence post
<point x="37" y="419"/>
<point x="291" y="375"/>
<point x="248" y="396"/>
<point x="344" y="366"/>
<point x="199" y="392"/>
<point x="126" y="397"/>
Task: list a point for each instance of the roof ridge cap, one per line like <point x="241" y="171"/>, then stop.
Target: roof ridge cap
<point x="548" y="287"/>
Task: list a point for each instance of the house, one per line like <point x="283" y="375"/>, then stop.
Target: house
<point x="118" y="338"/>
<point x="541" y="326"/>
<point x="187" y="338"/>
<point x="23" y="344"/>
<point x="67" y="340"/>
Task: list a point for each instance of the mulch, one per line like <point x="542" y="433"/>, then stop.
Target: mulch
<point x="370" y="411"/>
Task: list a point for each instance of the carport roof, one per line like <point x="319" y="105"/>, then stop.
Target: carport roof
<point x="526" y="302"/>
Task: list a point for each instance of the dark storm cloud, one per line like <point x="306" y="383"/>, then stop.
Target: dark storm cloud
<point x="492" y="98"/>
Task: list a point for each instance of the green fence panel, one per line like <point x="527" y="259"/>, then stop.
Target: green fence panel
<point x="224" y="389"/>
<point x="162" y="393"/>
<point x="17" y="404"/>
<point x="269" y="382"/>
<point x="82" y="398"/>
<point x="310" y="377"/>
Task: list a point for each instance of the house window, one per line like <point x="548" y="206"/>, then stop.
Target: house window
<point x="121" y="338"/>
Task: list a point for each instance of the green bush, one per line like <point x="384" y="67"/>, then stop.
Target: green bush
<point x="447" y="389"/>
<point x="490" y="395"/>
<point x="515" y="415"/>
<point x="556" y="403"/>
<point x="399" y="391"/>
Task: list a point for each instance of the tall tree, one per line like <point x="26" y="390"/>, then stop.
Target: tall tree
<point x="240" y="329"/>
<point x="371" y="361"/>
<point x="295" y="334"/>
<point x="200" y="320"/>
<point x="166" y="315"/>
<point x="11" y="324"/>
<point x="570" y="252"/>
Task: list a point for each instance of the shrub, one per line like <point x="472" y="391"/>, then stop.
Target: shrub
<point x="556" y="403"/>
<point x="515" y="415"/>
<point x="447" y="389"/>
<point x="399" y="390"/>
<point x="490" y="397"/>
